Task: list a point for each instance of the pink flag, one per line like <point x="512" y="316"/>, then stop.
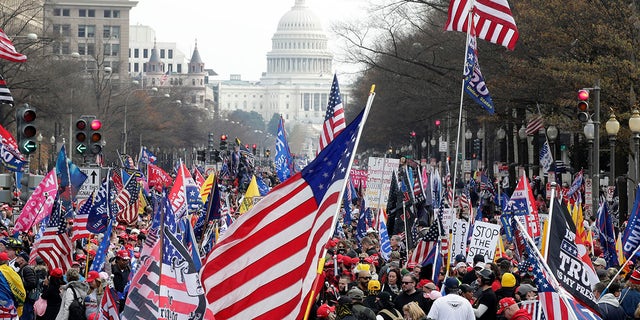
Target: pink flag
<point x="39" y="204"/>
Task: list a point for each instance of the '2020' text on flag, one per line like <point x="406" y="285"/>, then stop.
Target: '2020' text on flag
<point x="491" y="18"/>
<point x="264" y="266"/>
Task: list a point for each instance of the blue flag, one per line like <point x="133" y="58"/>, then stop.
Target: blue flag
<point x="70" y="179"/>
<point x="631" y="235"/>
<point x="385" y="242"/>
<point x="474" y="84"/>
<point x="101" y="254"/>
<point x="607" y="236"/>
<point x="545" y="157"/>
<point x="102" y="208"/>
<point x="262" y="187"/>
<point x="11" y="158"/>
<point x="283" y="159"/>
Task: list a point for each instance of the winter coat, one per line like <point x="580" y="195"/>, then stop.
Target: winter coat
<point x="51" y="293"/>
<point x="521" y="314"/>
<point x="610" y="308"/>
<point x="81" y="288"/>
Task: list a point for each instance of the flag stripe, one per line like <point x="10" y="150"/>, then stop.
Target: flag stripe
<point x="8" y="51"/>
<point x="493" y="18"/>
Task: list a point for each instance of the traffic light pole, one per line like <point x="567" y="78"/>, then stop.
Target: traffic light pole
<point x="596" y="149"/>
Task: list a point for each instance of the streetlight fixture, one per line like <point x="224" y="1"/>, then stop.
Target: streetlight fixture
<point x="126" y="100"/>
<point x="612" y="126"/>
<point x="589" y="133"/>
<point x="423" y="144"/>
<point x="39" y="139"/>
<point x="480" y="136"/>
<point x="467" y="138"/>
<point x="501" y="135"/>
<point x="552" y="134"/>
<point x="52" y="140"/>
<point x="634" y="125"/>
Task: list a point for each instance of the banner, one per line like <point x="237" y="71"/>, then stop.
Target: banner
<point x="379" y="181"/>
<point x="483" y="241"/>
<point x="459" y="231"/>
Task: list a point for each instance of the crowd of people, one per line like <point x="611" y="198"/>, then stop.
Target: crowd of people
<point x="360" y="284"/>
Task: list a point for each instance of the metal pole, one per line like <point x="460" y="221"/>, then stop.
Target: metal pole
<point x="636" y="140"/>
<point x="612" y="160"/>
<point x="596" y="148"/>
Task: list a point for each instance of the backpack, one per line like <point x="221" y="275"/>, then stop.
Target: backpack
<point x="391" y="315"/>
<point x="77" y="309"/>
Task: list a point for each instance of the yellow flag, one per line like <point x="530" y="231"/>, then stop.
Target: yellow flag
<point x="252" y="191"/>
<point x="142" y="202"/>
<point x="206" y="187"/>
<point x="621" y="258"/>
<point x="499" y="250"/>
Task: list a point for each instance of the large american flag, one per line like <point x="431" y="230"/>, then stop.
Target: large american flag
<point x="8" y="51"/>
<point x="127" y="201"/>
<point x="5" y="94"/>
<point x="534" y="125"/>
<point x="55" y="246"/>
<point x="334" y="121"/>
<point x="79" y="229"/>
<point x="493" y="20"/>
<point x="264" y="266"/>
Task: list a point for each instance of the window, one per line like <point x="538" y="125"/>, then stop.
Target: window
<point x="91" y="49"/>
<point x="82" y="12"/>
<point x="161" y="53"/>
<point x="86" y="31"/>
<point x="62" y="29"/>
<point x="111" y="49"/>
<point x="145" y="53"/>
<point x="91" y="13"/>
<point x="91" y="31"/>
<point x="170" y="53"/>
<point x="107" y="13"/>
<point x="170" y="67"/>
<point x="116" y="13"/>
<point x="61" y="48"/>
<point x="136" y="67"/>
<point x="111" y="32"/>
<point x="57" y="12"/>
<point x="179" y="69"/>
<point x="82" y="31"/>
<point x="136" y="53"/>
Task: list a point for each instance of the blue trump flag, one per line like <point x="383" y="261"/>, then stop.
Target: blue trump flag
<point x="607" y="236"/>
<point x="70" y="179"/>
<point x="631" y="235"/>
<point x="283" y="160"/>
<point x="474" y="84"/>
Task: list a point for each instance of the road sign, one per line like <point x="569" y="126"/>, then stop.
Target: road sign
<point x="92" y="182"/>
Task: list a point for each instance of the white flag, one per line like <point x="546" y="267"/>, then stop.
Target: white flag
<point x="545" y="157"/>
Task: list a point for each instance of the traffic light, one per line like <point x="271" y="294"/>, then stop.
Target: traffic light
<point x="211" y="147"/>
<point x="254" y="149"/>
<point x="201" y="155"/>
<point x="81" y="135"/>
<point x="25" y="119"/>
<point x="223" y="142"/>
<point x="412" y="137"/>
<point x="583" y="105"/>
<point x="95" y="143"/>
<point x="24" y="187"/>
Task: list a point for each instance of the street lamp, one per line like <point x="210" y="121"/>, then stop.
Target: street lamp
<point x="467" y="138"/>
<point x="522" y="134"/>
<point x="126" y="100"/>
<point x="552" y="134"/>
<point x="39" y="139"/>
<point x="634" y="125"/>
<point x="612" y="126"/>
<point x="589" y="133"/>
<point x="53" y="151"/>
<point x="501" y="135"/>
<point x="480" y="136"/>
<point x="423" y="144"/>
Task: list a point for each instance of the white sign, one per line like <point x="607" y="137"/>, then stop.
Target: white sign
<point x="447" y="218"/>
<point x="92" y="183"/>
<point x="483" y="241"/>
<point x="459" y="231"/>
<point x="379" y="180"/>
<point x="466" y="166"/>
<point x="442" y="147"/>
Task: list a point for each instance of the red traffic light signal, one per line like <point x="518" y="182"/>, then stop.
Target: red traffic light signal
<point x="96" y="124"/>
<point x="437" y="123"/>
<point x="412" y="134"/>
<point x="223" y="137"/>
<point x="583" y="96"/>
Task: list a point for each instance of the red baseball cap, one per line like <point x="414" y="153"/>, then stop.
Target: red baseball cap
<point x="324" y="310"/>
<point x="505" y="303"/>
<point x="123" y="254"/>
<point x="93" y="275"/>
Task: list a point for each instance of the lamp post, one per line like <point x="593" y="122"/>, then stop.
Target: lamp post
<point x="53" y="151"/>
<point x="501" y="135"/>
<point x="589" y="133"/>
<point x="423" y="144"/>
<point x="612" y="126"/>
<point x="481" y="156"/>
<point x="634" y="125"/>
<point x="467" y="138"/>
<point x="124" y="125"/>
<point x="552" y="134"/>
<point x="522" y="134"/>
<point x="39" y="139"/>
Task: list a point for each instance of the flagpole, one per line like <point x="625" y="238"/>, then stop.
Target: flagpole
<point x="545" y="245"/>
<point x="466" y="52"/>
<point x="633" y="254"/>
<point x="367" y="108"/>
<point x="379" y="211"/>
<point x="554" y="283"/>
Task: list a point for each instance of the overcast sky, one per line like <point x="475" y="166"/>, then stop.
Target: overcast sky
<point x="233" y="36"/>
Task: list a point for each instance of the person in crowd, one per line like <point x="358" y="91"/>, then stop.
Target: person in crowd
<point x="326" y="312"/>
<point x="51" y="293"/>
<point x="526" y="292"/>
<point x="343" y="309"/>
<point x="372" y="295"/>
<point x="452" y="306"/>
<point x="359" y="310"/>
<point x="460" y="270"/>
<point x="94" y="296"/>
<point x="30" y="283"/>
<point x="478" y="264"/>
<point x="508" y="286"/>
<point x="364" y="276"/>
<point x="630" y="296"/>
<point x="608" y="303"/>
<point x="386" y="308"/>
<point x="75" y="289"/>
<point x="409" y="292"/>
<point x="512" y="311"/>
<point x="120" y="271"/>
<point x="412" y="311"/>
<point x="391" y="285"/>
<point x="467" y="292"/>
<point x="486" y="306"/>
<point x="343" y="284"/>
<point x="12" y="293"/>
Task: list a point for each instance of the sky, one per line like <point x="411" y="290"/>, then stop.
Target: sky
<point x="234" y="36"/>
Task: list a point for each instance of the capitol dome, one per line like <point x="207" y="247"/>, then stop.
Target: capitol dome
<point x="300" y="18"/>
<point x="299" y="49"/>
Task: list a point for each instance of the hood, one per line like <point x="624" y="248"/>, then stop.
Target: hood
<point x="81" y="287"/>
<point x="609" y="298"/>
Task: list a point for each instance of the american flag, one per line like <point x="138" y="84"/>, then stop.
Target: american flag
<point x="534" y="125"/>
<point x="127" y="201"/>
<point x="79" y="229"/>
<point x="532" y="306"/>
<point x="108" y="307"/>
<point x="5" y="94"/>
<point x="493" y="20"/>
<point x="165" y="77"/>
<point x="55" y="246"/>
<point x="8" y="51"/>
<point x="280" y="241"/>
<point x="334" y="121"/>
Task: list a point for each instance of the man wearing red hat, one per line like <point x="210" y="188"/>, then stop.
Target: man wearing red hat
<point x="512" y="311"/>
<point x="630" y="297"/>
<point x="120" y="270"/>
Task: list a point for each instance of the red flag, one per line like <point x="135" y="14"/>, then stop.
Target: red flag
<point x="197" y="176"/>
<point x="492" y="18"/>
<point x="264" y="266"/>
<point x="8" y="51"/>
<point x="158" y="178"/>
<point x="334" y="121"/>
<point x="108" y="307"/>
